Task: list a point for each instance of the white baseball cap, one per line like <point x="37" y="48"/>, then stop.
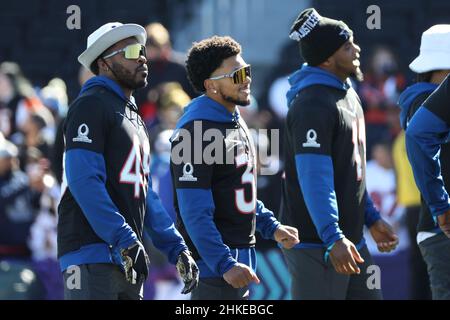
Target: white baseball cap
<point x="106" y="36"/>
<point x="434" y="50"/>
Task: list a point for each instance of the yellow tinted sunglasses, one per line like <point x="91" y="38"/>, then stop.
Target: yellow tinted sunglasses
<point x="239" y="76"/>
<point x="133" y="51"/>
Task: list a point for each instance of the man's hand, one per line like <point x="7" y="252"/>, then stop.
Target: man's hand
<point x="287" y="236"/>
<point x="444" y="222"/>
<point x="240" y="276"/>
<point x="384" y="236"/>
<point x="135" y="262"/>
<point x="344" y="256"/>
<point x="188" y="270"/>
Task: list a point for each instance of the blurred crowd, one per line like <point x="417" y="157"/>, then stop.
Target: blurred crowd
<point x="31" y="157"/>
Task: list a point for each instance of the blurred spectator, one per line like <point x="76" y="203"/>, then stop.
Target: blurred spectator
<point x="408" y="196"/>
<point x="42" y="241"/>
<point x="7" y="104"/>
<point x="277" y="96"/>
<point x="54" y="97"/>
<point x="379" y="93"/>
<point x="164" y="66"/>
<point x="160" y="171"/>
<point x="23" y="99"/>
<point x="58" y="146"/>
<point x="268" y="170"/>
<point x="269" y="173"/>
<point x="84" y="75"/>
<point x="276" y="85"/>
<point x="169" y="99"/>
<point x="18" y="205"/>
<point x="272" y="103"/>
<point x="163" y="280"/>
<point x="33" y="135"/>
<point x="255" y="117"/>
<point x="381" y="186"/>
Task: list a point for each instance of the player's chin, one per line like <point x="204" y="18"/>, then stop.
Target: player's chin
<point x="243" y="102"/>
<point x="357" y="74"/>
<point x="141" y="83"/>
<point x="243" y="99"/>
<point x="140" y="79"/>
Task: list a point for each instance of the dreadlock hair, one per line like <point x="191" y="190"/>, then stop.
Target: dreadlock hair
<point x="206" y="56"/>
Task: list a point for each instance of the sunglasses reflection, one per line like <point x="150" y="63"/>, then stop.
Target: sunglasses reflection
<point x="240" y="75"/>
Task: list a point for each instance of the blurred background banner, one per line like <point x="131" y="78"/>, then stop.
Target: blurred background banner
<point x="40" y="76"/>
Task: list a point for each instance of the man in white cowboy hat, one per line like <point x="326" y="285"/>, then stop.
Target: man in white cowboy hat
<point x="425" y="117"/>
<point x="108" y="201"/>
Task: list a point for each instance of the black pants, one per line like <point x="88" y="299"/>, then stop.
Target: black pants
<point x="99" y="281"/>
<point x="313" y="279"/>
<point x="218" y="289"/>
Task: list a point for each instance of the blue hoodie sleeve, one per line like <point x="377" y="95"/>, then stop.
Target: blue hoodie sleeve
<point x="86" y="177"/>
<point x="266" y="223"/>
<point x="371" y="213"/>
<point x="316" y="178"/>
<point x="424" y="136"/>
<point x="161" y="228"/>
<point x="197" y="209"/>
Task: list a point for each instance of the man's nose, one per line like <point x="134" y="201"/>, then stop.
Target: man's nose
<point x="142" y="59"/>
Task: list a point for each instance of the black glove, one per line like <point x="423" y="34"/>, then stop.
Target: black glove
<point x="135" y="262"/>
<point x="188" y="270"/>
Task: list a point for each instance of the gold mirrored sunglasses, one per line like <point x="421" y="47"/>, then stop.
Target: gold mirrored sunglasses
<point x="239" y="76"/>
<point x="133" y="51"/>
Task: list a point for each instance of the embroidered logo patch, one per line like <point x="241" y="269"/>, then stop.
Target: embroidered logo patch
<point x="188" y="170"/>
<point x="311" y="139"/>
<point x="83" y="131"/>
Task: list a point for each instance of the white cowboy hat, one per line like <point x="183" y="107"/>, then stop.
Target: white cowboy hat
<point x="107" y="35"/>
<point x="434" y="50"/>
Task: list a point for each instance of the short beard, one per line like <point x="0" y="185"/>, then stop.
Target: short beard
<point x="243" y="103"/>
<point x="358" y="75"/>
<point x="126" y="78"/>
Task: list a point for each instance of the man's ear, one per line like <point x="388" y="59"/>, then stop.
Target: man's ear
<point x="210" y="86"/>
<point x="327" y="63"/>
<point x="102" y="66"/>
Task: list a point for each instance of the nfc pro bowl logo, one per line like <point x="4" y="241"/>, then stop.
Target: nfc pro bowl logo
<point x="311" y="139"/>
<point x="188" y="171"/>
<point x="83" y="131"/>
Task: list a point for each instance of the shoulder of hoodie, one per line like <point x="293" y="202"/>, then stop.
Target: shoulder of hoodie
<point x="418" y="102"/>
<point x="205" y="125"/>
<point x="315" y="97"/>
<point x="95" y="101"/>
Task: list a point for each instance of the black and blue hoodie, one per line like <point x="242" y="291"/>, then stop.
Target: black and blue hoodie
<point x="324" y="189"/>
<point x="426" y="133"/>
<point x="107" y="200"/>
<point x="216" y="199"/>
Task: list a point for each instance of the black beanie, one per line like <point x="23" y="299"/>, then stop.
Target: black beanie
<point x="319" y="37"/>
